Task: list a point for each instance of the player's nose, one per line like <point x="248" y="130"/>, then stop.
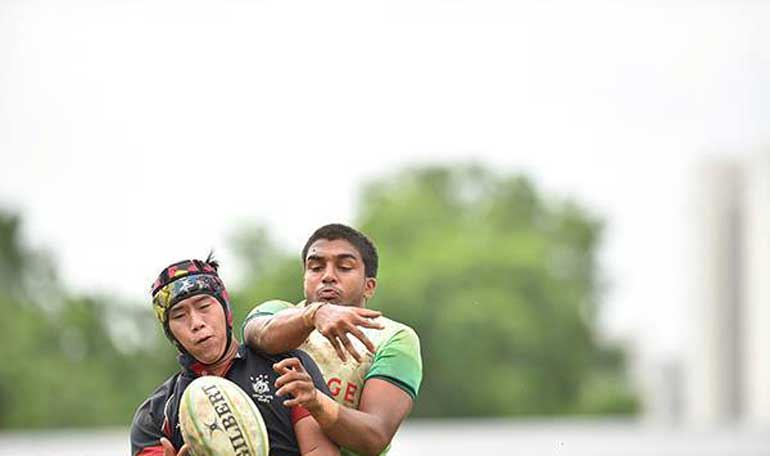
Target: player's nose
<point x="329" y="276"/>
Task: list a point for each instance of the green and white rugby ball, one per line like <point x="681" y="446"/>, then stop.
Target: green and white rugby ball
<point x="218" y="418"/>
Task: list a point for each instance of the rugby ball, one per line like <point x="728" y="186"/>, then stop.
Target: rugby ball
<point x="218" y="418"/>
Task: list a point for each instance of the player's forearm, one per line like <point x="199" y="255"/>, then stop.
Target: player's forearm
<point x="327" y="450"/>
<point x="318" y="452"/>
<point x="312" y="441"/>
<point x="349" y="428"/>
<point x="280" y="333"/>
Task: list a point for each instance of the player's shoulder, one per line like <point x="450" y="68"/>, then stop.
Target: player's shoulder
<point x="164" y="390"/>
<point x="393" y="332"/>
<point x="152" y="408"/>
<point x="276" y="303"/>
<point x="270" y="307"/>
<point x="393" y="327"/>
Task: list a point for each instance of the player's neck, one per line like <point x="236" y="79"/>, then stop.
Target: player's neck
<point x="220" y="367"/>
<point x="360" y="304"/>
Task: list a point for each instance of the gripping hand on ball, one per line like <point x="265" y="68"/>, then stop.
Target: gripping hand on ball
<point x="168" y="448"/>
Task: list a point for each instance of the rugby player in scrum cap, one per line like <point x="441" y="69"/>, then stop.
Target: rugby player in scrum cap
<point x="193" y="307"/>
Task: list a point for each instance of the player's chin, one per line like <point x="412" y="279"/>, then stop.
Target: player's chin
<point x="204" y="358"/>
<point x="207" y="356"/>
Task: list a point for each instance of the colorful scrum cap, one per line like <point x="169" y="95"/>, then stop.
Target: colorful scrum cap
<point x="185" y="279"/>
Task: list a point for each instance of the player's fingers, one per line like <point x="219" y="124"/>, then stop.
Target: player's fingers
<point x="286" y="390"/>
<point x="291" y="403"/>
<point x="292" y="376"/>
<point x="282" y="380"/>
<point x="369" y="323"/>
<point x="337" y="347"/>
<point x="301" y="397"/>
<point x="368" y="313"/>
<point x="294" y="388"/>
<point x="350" y="348"/>
<point x="287" y="364"/>
<point x="168" y="448"/>
<point x="297" y="365"/>
<point x="362" y="337"/>
<point x="289" y="377"/>
<point x="184" y="451"/>
<point x="292" y="391"/>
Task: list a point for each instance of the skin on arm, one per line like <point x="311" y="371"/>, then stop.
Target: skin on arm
<point x="288" y="329"/>
<point x="297" y="385"/>
<point x="311" y="439"/>
<point x="278" y="333"/>
<point x="369" y="430"/>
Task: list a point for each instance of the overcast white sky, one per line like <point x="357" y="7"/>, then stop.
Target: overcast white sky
<point x="136" y="133"/>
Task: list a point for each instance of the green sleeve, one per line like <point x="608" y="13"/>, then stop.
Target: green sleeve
<point x="398" y="361"/>
<point x="271" y="307"/>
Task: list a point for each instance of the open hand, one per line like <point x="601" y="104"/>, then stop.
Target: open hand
<point x="335" y="322"/>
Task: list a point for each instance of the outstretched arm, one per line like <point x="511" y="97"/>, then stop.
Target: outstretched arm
<point x="366" y="431"/>
<point x="279" y="333"/>
<point x="369" y="429"/>
<point x="289" y="328"/>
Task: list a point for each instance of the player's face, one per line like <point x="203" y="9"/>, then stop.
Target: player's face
<point x="198" y="323"/>
<point x="334" y="273"/>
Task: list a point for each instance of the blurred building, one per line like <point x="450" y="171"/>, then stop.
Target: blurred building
<point x="726" y="374"/>
<point x="756" y="293"/>
<point x="713" y="358"/>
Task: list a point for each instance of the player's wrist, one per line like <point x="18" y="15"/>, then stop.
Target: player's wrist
<point x="324" y="409"/>
<point x="313" y="403"/>
<point x="310" y="312"/>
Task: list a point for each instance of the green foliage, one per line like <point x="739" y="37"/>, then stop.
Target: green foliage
<point x="499" y="282"/>
<point x="61" y="365"/>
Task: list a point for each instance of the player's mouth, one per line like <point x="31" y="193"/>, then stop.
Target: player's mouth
<point x="329" y="293"/>
<point x="203" y="340"/>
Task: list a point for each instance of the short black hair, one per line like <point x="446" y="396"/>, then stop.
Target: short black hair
<point x="363" y="244"/>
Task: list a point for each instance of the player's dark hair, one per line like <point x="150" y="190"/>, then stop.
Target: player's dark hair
<point x="358" y="239"/>
<point x="211" y="261"/>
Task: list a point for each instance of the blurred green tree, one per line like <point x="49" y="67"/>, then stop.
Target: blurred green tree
<point x="500" y="283"/>
<point x="62" y="366"/>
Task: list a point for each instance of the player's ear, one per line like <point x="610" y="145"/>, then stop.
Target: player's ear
<point x="369" y="287"/>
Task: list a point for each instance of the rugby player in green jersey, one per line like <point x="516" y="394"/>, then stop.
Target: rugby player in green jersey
<point x="374" y="375"/>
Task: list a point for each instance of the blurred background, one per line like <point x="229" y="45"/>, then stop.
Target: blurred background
<point x="571" y="201"/>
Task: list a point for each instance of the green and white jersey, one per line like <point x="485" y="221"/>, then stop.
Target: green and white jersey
<point x="396" y="359"/>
